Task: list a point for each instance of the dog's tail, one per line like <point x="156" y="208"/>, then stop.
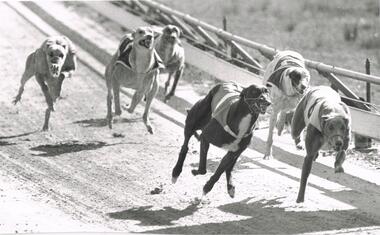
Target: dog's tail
<point x="200" y="114"/>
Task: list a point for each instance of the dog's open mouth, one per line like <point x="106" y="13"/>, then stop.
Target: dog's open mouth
<point x="300" y="90"/>
<point x="147" y="43"/>
<point x="55" y="69"/>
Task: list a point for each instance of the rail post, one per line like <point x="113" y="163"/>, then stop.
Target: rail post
<point x="363" y="142"/>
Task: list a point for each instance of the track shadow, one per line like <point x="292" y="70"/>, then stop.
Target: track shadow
<point x="19" y="135"/>
<point x="148" y="217"/>
<point x="5" y="143"/>
<point x="102" y="122"/>
<point x="52" y="150"/>
<point x="266" y="217"/>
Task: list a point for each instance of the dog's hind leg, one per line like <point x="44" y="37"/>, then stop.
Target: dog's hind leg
<point x="197" y="117"/>
<point x="177" y="76"/>
<point x="182" y="154"/>
<point x="149" y="99"/>
<point x="227" y="161"/>
<point x="109" y="100"/>
<point x="28" y="73"/>
<point x="48" y="99"/>
<point x="204" y="146"/>
<point x="116" y="96"/>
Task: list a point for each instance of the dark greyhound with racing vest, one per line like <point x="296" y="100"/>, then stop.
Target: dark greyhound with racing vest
<point x="327" y="120"/>
<point x="226" y="116"/>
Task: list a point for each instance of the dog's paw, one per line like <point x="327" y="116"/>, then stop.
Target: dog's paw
<point x="299" y="147"/>
<point x="15" y="101"/>
<point x="267" y="156"/>
<point x="174" y="180"/>
<point x="300" y="200"/>
<point x="45" y="128"/>
<point x="167" y="97"/>
<point x="339" y="169"/>
<point x="207" y="188"/>
<point x="231" y="190"/>
<point x="150" y="129"/>
<point x="198" y="172"/>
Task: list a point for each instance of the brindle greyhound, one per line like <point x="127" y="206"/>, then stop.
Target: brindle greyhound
<point x="51" y="63"/>
<point x="135" y="65"/>
<point x="226" y="116"/>
<point x="170" y="50"/>
<point x="327" y="120"/>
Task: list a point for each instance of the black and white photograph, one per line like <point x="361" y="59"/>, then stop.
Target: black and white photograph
<point x="190" y="117"/>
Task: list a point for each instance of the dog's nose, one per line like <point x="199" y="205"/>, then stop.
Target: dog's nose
<point x="149" y="37"/>
<point x="303" y="86"/>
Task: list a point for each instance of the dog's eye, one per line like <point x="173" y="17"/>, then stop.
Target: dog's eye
<point x="331" y="127"/>
<point x="51" y="54"/>
<point x="140" y="32"/>
<point x="60" y="55"/>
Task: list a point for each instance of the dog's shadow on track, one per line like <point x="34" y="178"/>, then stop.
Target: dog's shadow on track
<point x="102" y="122"/>
<point x="52" y="150"/>
<point x="268" y="217"/>
<point x="6" y="143"/>
<point x="148" y="217"/>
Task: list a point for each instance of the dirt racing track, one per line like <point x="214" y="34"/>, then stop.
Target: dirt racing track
<point x="81" y="176"/>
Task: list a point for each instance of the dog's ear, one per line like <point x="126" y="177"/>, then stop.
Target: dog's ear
<point x="324" y="120"/>
<point x="344" y="106"/>
<point x="244" y="92"/>
<point x="295" y="75"/>
<point x="71" y="48"/>
<point x="178" y="30"/>
<point x="45" y="46"/>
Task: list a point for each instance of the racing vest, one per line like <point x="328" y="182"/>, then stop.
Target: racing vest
<point x="228" y="94"/>
<point x="315" y="98"/>
<point x="125" y="49"/>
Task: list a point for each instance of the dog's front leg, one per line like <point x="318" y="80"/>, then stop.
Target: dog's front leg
<point x="149" y="99"/>
<point x="48" y="99"/>
<point x="339" y="159"/>
<point x="202" y="157"/>
<point x="230" y="185"/>
<point x="226" y="162"/>
<point x="167" y="84"/>
<point x="28" y="73"/>
<point x="272" y="123"/>
<point x="314" y="141"/>
<point x="298" y="124"/>
<point x="177" y="76"/>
